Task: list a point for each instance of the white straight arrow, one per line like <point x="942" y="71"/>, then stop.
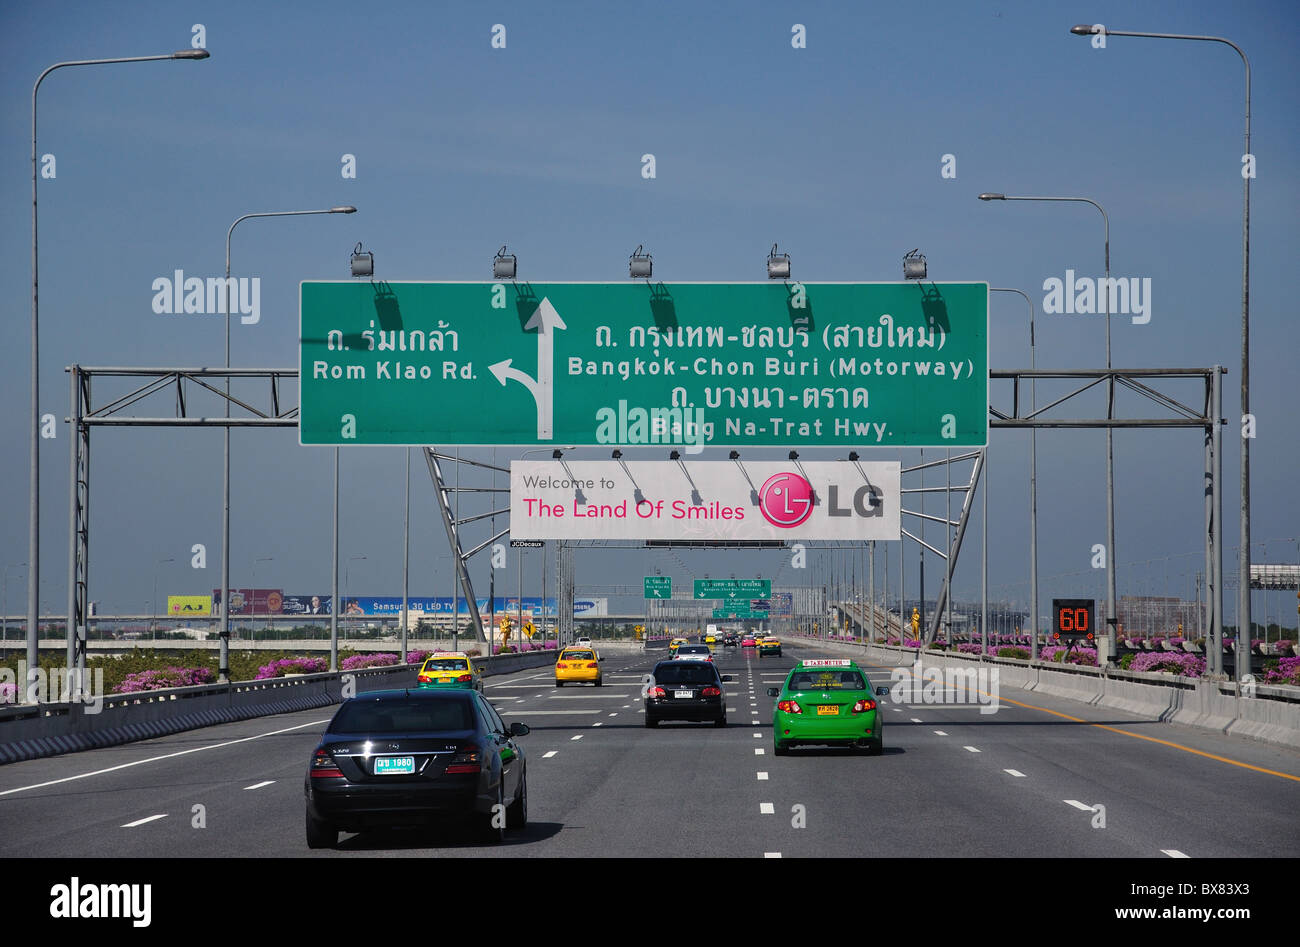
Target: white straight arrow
<point x="545" y="320"/>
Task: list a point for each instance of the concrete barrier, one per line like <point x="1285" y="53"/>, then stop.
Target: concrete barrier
<point x="1272" y="715"/>
<point x="30" y="731"/>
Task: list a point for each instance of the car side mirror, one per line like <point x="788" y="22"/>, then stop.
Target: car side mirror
<point x="774" y="692"/>
<point x="519" y="729"/>
<point x="882" y="691"/>
<point x="726" y="678"/>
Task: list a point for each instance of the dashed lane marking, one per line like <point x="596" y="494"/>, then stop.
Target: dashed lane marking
<point x="152" y="818"/>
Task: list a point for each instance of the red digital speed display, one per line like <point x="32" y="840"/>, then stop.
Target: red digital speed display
<point x="1073" y="617"/>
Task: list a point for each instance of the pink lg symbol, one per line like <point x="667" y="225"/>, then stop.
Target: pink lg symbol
<point x="785" y="499"/>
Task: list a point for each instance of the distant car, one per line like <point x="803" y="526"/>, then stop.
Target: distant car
<point x="583" y="642"/>
<point x="731" y="641"/>
<point x="405" y="757"/>
<point x="578" y="666"/>
<point x="769" y="645"/>
<point x="676" y="643"/>
<point x="748" y="642"/>
<point x="686" y="690"/>
<point x="694" y="652"/>
<point x="450" y="669"/>
<point x="827" y="701"/>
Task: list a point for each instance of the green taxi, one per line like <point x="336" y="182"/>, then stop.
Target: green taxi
<point x="827" y="701"/>
<point x="450" y="669"/>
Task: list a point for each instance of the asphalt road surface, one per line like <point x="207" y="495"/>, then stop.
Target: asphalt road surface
<point x="1041" y="777"/>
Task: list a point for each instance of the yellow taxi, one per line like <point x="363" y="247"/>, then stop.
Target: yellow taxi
<point x="578" y="665"/>
<point x="677" y="643"/>
<point x="450" y="669"/>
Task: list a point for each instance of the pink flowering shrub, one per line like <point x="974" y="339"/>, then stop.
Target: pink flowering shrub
<point x="292" y="666"/>
<point x="358" y="661"/>
<point x="1186" y="665"/>
<point x="1062" y="653"/>
<point x="1286" y="672"/>
<point x="164" y="679"/>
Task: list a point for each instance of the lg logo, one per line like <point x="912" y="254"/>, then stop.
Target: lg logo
<point x="786" y="500"/>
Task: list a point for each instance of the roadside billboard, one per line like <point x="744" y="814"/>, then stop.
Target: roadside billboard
<point x="705" y="500"/>
<point x="186" y="605"/>
<point x="250" y="601"/>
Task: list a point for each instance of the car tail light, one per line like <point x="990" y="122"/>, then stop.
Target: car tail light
<point x="324" y="767"/>
<point x="863" y="706"/>
<point x="468" y="760"/>
<point x="465" y="677"/>
<point x="711" y="691"/>
<point x="592" y="664"/>
<point x="561" y="664"/>
<point x="656" y="691"/>
<point x="789" y="707"/>
<point x="423" y="678"/>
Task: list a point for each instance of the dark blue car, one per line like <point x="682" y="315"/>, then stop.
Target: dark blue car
<point x="411" y="757"/>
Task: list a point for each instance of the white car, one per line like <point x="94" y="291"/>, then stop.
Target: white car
<point x="583" y="642"/>
<point x="694" y="652"/>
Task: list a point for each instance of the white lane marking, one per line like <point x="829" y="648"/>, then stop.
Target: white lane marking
<point x="626" y="706"/>
<point x="1173" y="853"/>
<point x="755" y="723"/>
<point x="766" y="808"/>
<point x="771" y="854"/>
<point x="971" y="748"/>
<point x="581" y="696"/>
<point x="549" y="754"/>
<point x="540" y="713"/>
<point x="761" y="775"/>
<point x="166" y="756"/>
<point x="152" y="818"/>
<point x="265" y="782"/>
<point x="916" y="720"/>
<point x="596" y="724"/>
<point x="896" y="710"/>
<point x="614" y="714"/>
<point x="1077" y="804"/>
<point x="516" y="686"/>
<point x="1016" y="773"/>
<point x="578" y="737"/>
<point x="758" y="734"/>
<point x="759" y="751"/>
<point x="940" y="733"/>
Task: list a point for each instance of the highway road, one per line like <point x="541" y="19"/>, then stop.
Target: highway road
<point x="952" y="782"/>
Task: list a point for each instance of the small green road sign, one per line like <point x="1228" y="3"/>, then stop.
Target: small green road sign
<point x="658" y="586"/>
<point x="740" y="613"/>
<point x="733" y="590"/>
<point x="694" y="364"/>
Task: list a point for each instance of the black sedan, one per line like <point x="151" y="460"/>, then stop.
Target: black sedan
<point x="408" y="757"/>
<point x="686" y="690"/>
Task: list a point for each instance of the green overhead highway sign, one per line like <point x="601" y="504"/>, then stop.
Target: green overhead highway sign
<point x="733" y="590"/>
<point x="658" y="586"/>
<point x="695" y="364"/>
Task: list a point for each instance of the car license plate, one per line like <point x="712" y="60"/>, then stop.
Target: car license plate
<point x="444" y="680"/>
<point x="826" y="710"/>
<point x="682" y="693"/>
<point x="394" y="765"/>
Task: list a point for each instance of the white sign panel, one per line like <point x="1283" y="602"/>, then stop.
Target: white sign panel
<point x="705" y="500"/>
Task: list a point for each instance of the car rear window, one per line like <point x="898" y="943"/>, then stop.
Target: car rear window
<point x="446" y="664"/>
<point x="402" y="716"/>
<point x="827" y="680"/>
<point x="688" y="672"/>
<point x="578" y="656"/>
<point x="694" y="649"/>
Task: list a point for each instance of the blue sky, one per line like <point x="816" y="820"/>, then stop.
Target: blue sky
<point x="834" y="151"/>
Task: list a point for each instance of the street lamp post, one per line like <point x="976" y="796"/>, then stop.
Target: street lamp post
<point x="1110" y="410"/>
<point x="5" y="606"/>
<point x="253" y="630"/>
<point x="224" y="663"/>
<point x="1033" y="478"/>
<point x="1243" y="578"/>
<point x="34" y="511"/>
<point x="153" y="627"/>
<point x="347" y="572"/>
